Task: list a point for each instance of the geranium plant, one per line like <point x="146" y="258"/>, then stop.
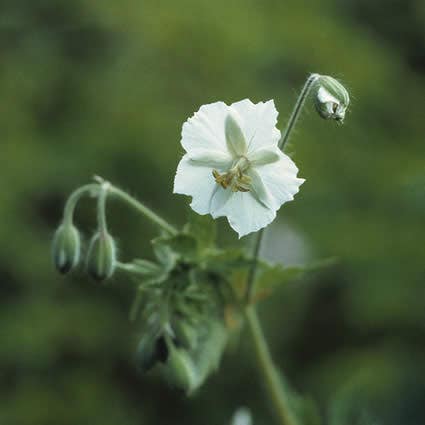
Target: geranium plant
<point x="195" y="294"/>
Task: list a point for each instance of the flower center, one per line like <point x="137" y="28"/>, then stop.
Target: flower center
<point x="236" y="178"/>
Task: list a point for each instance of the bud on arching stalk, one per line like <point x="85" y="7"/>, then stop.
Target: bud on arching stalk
<point x="101" y="256"/>
<point x="66" y="247"/>
<point x="331" y="98"/>
<point x="180" y="370"/>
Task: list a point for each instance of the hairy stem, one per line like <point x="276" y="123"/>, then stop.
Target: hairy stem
<point x="296" y="112"/>
<point x="101" y="208"/>
<point x="262" y="353"/>
<point x="73" y="199"/>
<point x="253" y="269"/>
<point x="269" y="372"/>
<point x="143" y="209"/>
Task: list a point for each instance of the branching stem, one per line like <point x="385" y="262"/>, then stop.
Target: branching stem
<point x="140" y="207"/>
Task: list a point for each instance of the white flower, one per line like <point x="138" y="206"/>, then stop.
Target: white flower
<point x="233" y="166"/>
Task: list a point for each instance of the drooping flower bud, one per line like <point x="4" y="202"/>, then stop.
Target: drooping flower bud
<point x="66" y="247"/>
<point x="331" y="98"/>
<point x="180" y="371"/>
<point x="101" y="256"/>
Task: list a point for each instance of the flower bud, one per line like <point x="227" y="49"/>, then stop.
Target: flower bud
<point x="180" y="370"/>
<point x="331" y="98"/>
<point x="66" y="247"/>
<point x="101" y="256"/>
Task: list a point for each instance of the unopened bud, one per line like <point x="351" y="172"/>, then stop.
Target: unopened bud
<point x="101" y="256"/>
<point x="66" y="247"/>
<point x="180" y="370"/>
<point x="331" y="98"/>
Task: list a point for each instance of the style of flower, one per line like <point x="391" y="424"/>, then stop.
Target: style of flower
<point x="233" y="166"/>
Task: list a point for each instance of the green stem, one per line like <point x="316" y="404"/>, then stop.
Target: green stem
<point x="296" y="112"/>
<point x="263" y="356"/>
<point x="253" y="269"/>
<point x="268" y="370"/>
<point x="73" y="199"/>
<point x="143" y="209"/>
<point x="101" y="208"/>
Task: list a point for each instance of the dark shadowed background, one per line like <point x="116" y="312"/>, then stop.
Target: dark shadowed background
<point x="103" y="87"/>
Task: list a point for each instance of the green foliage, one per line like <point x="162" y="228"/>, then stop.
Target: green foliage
<point x="181" y="300"/>
<point x="273" y="276"/>
<point x="203" y="228"/>
<point x="187" y="369"/>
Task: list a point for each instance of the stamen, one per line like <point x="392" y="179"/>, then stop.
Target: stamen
<point x="235" y="177"/>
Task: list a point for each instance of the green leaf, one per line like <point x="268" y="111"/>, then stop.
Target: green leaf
<point x="278" y="275"/>
<point x="203" y="229"/>
<point x="184" y="246"/>
<point x="227" y="260"/>
<point x="145" y="267"/>
<point x="164" y="253"/>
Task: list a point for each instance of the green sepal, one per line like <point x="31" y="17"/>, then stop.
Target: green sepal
<point x="66" y="247"/>
<point x="101" y="256"/>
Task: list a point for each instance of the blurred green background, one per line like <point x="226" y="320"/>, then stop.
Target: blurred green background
<point x="103" y="87"/>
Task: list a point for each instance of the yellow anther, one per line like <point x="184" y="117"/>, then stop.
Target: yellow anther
<point x="235" y="177"/>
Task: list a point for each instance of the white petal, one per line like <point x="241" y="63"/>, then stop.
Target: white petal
<point x="219" y="200"/>
<point x="196" y="181"/>
<point x="264" y="156"/>
<point x="211" y="158"/>
<point x="280" y="179"/>
<point x="324" y="96"/>
<point x="259" y="190"/>
<point x="258" y="122"/>
<point x="235" y="139"/>
<point x="245" y="214"/>
<point x="205" y="130"/>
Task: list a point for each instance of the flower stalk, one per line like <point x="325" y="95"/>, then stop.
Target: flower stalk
<point x="262" y="353"/>
<point x="101" y="256"/>
<point x="296" y="112"/>
<point x="269" y="372"/>
<point x="143" y="209"/>
<point x="90" y="189"/>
